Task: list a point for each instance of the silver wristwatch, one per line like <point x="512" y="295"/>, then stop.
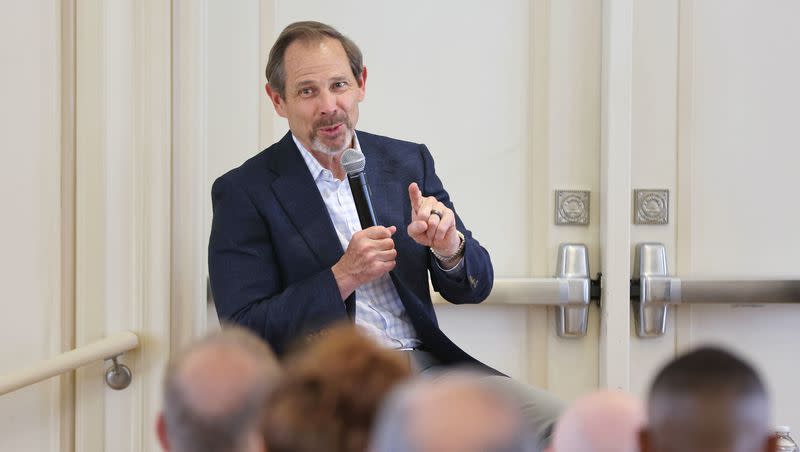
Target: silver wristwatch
<point x="453" y="257"/>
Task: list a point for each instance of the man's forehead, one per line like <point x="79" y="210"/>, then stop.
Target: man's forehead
<point x="315" y="56"/>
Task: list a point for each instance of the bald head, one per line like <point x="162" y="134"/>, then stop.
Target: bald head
<point x="708" y="400"/>
<point x="217" y="378"/>
<point x="214" y="391"/>
<point x="598" y="422"/>
<point x="451" y="413"/>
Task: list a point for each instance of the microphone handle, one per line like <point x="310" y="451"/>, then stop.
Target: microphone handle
<point x="363" y="199"/>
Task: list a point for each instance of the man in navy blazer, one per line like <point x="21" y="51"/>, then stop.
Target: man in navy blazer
<point x="287" y="257"/>
<point x="273" y="246"/>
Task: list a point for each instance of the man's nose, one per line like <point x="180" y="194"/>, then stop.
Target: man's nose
<point x="327" y="103"/>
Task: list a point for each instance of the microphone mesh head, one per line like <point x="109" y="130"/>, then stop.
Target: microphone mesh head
<point x="353" y="161"/>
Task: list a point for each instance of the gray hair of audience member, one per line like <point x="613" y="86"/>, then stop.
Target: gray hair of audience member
<point x="450" y="411"/>
<point x="214" y="393"/>
<point x="707" y="400"/>
<point x="600" y="421"/>
<point x="308" y="31"/>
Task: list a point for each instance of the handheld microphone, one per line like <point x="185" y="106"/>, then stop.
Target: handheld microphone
<point x="354" y="163"/>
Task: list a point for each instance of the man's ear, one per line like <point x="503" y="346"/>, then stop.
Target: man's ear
<point x="362" y="84"/>
<point x="277" y="100"/>
<point x="644" y="440"/>
<point x="161" y="432"/>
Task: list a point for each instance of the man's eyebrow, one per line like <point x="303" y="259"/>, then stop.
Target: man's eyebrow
<point x="308" y="82"/>
<point x="303" y="83"/>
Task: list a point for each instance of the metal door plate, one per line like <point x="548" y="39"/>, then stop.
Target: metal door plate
<point x="572" y="207"/>
<point x="651" y="206"/>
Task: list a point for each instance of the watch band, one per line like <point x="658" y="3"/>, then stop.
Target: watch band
<point x="457" y="255"/>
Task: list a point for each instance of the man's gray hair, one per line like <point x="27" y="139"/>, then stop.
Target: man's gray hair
<point x="391" y="431"/>
<point x="189" y="429"/>
<point x="393" y="427"/>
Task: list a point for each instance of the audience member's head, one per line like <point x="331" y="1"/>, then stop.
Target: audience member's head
<point x="708" y="400"/>
<point x="455" y="412"/>
<point x="600" y="422"/>
<point x="330" y="394"/>
<point x="214" y="393"/>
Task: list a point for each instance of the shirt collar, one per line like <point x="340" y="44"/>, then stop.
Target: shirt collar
<point x="316" y="169"/>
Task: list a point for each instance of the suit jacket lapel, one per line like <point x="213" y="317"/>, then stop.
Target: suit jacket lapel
<point x="379" y="175"/>
<point x="297" y="193"/>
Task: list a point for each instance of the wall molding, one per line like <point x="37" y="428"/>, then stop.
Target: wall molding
<point x="685" y="120"/>
<point x="66" y="407"/>
<point x="189" y="167"/>
<point x="123" y="211"/>
<point x="268" y="32"/>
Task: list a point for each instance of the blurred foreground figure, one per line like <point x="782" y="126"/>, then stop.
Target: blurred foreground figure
<point x="605" y="421"/>
<point x="214" y="393"/>
<point x="330" y="394"/>
<point x="455" y="412"/>
<point x="708" y="401"/>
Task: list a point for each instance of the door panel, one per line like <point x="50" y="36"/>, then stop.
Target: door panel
<point x="767" y="336"/>
<point x="742" y="161"/>
<point x="733" y="172"/>
<point x="499" y="338"/>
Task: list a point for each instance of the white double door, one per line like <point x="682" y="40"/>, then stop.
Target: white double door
<point x="700" y="99"/>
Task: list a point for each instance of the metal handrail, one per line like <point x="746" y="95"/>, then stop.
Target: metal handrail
<point x="103" y="349"/>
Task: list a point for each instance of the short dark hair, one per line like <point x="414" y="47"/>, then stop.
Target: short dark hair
<point x="708" y="397"/>
<point x="308" y="31"/>
<point x="708" y="370"/>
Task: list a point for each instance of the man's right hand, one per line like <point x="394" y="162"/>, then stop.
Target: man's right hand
<point x="369" y="255"/>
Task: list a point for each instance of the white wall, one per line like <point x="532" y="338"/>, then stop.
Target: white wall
<point x="30" y="181"/>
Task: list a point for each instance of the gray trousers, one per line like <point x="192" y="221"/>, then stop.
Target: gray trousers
<point x="539" y="408"/>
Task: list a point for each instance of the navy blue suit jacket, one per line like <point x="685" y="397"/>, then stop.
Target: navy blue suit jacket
<point x="273" y="244"/>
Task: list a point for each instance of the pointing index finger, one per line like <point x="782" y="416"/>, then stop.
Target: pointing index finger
<point x="415" y="195"/>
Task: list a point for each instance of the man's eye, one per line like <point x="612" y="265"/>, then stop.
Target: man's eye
<point x="305" y="92"/>
<point x="339" y="85"/>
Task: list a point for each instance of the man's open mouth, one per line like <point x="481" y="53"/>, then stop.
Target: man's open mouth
<point x="331" y="130"/>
